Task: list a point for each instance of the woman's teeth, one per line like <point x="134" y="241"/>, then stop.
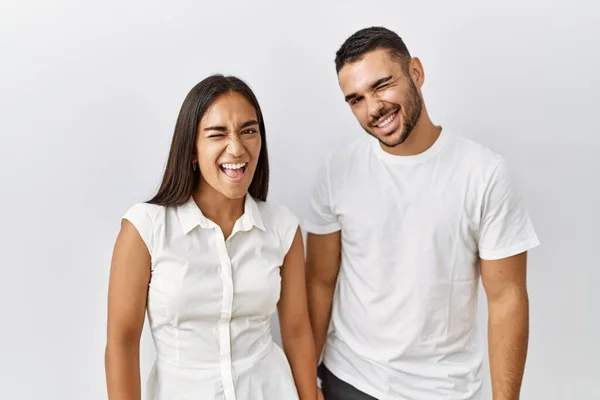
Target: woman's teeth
<point x="233" y="166"/>
<point x="234" y="171"/>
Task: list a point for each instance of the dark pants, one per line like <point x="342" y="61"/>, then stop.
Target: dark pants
<point x="336" y="389"/>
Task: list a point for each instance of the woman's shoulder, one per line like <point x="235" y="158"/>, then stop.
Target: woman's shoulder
<point x="145" y="217"/>
<point x="280" y="220"/>
<point x="275" y="215"/>
<point x="152" y="211"/>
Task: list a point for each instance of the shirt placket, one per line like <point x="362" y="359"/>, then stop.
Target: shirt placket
<point x="225" y="320"/>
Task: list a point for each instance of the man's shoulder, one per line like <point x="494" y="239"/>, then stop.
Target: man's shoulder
<point x="473" y="153"/>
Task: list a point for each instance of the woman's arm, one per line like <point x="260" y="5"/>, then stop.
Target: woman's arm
<point x="296" y="334"/>
<point x="128" y="288"/>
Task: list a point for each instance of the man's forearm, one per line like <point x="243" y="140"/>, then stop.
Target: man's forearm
<point x="508" y="336"/>
<point x="320" y="299"/>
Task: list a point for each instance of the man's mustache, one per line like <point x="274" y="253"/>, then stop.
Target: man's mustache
<point x="381" y="113"/>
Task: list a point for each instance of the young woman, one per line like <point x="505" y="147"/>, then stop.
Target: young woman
<point x="211" y="261"/>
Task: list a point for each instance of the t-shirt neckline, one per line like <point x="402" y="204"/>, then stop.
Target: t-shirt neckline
<point x="414" y="159"/>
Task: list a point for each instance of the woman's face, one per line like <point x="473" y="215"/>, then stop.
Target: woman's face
<point x="228" y="145"/>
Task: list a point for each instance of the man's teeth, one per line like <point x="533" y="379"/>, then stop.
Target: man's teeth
<point x="233" y="166"/>
<point x="387" y="121"/>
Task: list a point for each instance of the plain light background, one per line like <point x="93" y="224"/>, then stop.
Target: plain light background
<point x="89" y="94"/>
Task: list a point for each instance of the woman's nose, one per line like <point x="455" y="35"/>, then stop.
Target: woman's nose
<point x="235" y="148"/>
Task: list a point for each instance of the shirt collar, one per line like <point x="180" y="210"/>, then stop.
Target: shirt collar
<point x="190" y="216"/>
<point x="252" y="216"/>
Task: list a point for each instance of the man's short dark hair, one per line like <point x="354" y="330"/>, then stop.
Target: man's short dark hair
<point x="369" y="39"/>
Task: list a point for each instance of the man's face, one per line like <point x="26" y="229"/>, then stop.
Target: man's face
<point x="382" y="96"/>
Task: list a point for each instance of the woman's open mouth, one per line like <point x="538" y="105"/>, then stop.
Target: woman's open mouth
<point x="234" y="171"/>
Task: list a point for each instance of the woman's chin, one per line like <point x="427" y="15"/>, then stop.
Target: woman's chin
<point x="235" y="191"/>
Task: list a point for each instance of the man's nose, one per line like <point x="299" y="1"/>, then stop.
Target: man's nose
<point x="374" y="108"/>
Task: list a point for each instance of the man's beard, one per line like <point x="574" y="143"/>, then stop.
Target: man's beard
<point x="412" y="111"/>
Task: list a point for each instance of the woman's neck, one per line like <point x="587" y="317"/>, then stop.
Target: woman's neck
<point x="216" y="207"/>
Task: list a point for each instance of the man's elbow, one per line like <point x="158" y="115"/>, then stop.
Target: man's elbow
<point x="321" y="275"/>
<point x="320" y="287"/>
<point x="511" y="301"/>
<point x="508" y="294"/>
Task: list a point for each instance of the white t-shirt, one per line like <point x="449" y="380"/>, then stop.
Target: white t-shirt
<point x="211" y="300"/>
<point x="413" y="229"/>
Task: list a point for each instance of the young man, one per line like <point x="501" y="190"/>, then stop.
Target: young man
<point x="402" y="225"/>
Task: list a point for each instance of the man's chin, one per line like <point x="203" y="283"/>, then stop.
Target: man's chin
<point x="392" y="140"/>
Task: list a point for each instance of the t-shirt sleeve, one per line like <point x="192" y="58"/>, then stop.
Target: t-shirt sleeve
<point x="321" y="218"/>
<point x="505" y="228"/>
<point x="140" y="218"/>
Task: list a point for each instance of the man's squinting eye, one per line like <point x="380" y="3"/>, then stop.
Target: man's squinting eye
<point x="355" y="100"/>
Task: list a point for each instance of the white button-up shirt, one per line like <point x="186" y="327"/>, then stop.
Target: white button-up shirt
<point x="211" y="300"/>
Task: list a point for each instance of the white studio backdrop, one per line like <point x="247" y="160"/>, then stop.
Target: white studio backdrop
<point x="89" y="94"/>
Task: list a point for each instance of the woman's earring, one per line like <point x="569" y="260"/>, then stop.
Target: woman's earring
<point x="194" y="165"/>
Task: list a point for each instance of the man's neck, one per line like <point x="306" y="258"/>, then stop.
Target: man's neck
<point x="422" y="137"/>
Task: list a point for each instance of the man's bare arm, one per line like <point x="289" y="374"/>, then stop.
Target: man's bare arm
<point x="322" y="268"/>
<point x="504" y="282"/>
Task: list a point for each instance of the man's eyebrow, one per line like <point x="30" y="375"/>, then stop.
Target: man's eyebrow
<point x="374" y="85"/>
<point x="349" y="97"/>
<point x="380" y="81"/>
